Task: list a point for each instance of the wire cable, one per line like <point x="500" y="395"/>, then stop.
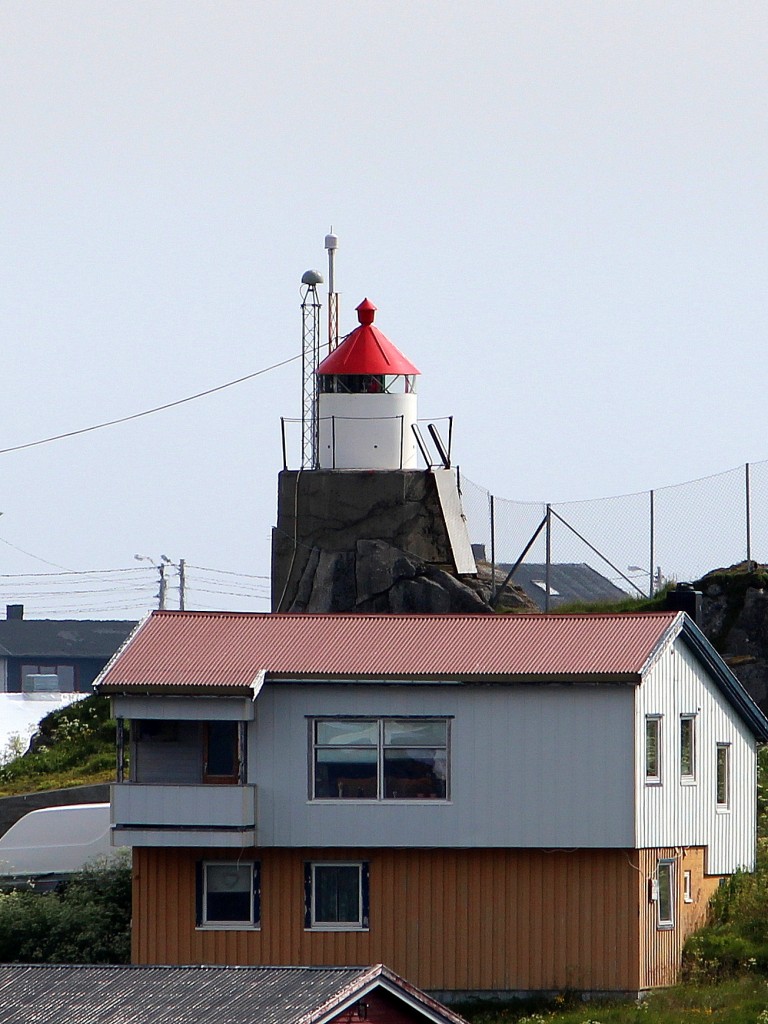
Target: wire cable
<point x="146" y="412"/>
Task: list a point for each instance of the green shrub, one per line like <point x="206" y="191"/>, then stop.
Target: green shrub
<point x="88" y="920"/>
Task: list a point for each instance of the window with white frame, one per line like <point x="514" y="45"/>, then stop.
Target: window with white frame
<point x="665" y="903"/>
<point x="653" y="748"/>
<point x="228" y="894"/>
<point x="688" y="748"/>
<point x="336" y="895"/>
<point x="687" y="887"/>
<point x="723" y="775"/>
<point x="379" y="758"/>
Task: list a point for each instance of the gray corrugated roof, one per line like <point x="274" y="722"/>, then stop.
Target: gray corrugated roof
<point x="62" y="638"/>
<point x="573" y="581"/>
<point x="43" y="994"/>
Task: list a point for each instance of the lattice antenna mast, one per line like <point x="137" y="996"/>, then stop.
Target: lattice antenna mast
<point x="332" y="244"/>
<point x="310" y="322"/>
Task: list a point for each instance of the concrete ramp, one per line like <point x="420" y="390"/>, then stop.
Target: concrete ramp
<point x="455" y="523"/>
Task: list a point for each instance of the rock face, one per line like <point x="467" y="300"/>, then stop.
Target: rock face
<point x="378" y="577"/>
<point x="361" y="541"/>
<point x="735" y="620"/>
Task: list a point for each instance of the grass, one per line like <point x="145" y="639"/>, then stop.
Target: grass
<point x="739" y="1001"/>
<point x="74" y="746"/>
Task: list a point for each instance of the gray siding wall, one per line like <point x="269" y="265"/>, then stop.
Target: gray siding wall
<point x="531" y="766"/>
<point x="179" y="761"/>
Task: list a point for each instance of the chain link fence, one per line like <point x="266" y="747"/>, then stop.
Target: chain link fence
<point x="637" y="541"/>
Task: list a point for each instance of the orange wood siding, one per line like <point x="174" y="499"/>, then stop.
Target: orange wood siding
<point x="661" y="948"/>
<point x="510" y="920"/>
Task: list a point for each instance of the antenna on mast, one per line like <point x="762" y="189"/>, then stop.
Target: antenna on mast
<point x="332" y="244"/>
<point x="310" y="357"/>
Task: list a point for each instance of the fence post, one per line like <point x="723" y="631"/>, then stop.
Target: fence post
<point x="651" y="577"/>
<point x="749" y="514"/>
<point x="492" y="509"/>
<point x="549" y="557"/>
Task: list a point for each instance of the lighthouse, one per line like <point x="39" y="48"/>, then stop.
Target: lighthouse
<point x="363" y="525"/>
<point x="366" y="399"/>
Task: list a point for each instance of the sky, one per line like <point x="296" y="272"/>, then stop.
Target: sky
<point x="558" y="208"/>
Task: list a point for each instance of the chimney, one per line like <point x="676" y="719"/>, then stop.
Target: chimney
<point x="14" y="611"/>
<point x="685" y="599"/>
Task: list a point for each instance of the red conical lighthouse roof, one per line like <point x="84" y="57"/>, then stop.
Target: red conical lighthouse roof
<point x="366" y="350"/>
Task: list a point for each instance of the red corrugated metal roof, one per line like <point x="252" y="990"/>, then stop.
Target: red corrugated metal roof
<point x="366" y="350"/>
<point x="227" y="650"/>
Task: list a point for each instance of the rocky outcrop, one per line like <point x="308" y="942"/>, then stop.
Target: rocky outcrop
<point x="735" y="619"/>
<point x="377" y="577"/>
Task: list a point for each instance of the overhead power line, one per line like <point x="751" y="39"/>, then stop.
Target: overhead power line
<point x="146" y="412"/>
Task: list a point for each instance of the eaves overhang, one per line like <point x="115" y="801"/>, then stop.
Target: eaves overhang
<point x="727" y="682"/>
<point x="381" y="977"/>
<point x="376" y="679"/>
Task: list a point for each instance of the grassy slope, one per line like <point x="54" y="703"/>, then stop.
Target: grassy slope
<point x="75" y="746"/>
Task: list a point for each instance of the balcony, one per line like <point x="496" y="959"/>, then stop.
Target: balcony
<point x="183" y="815"/>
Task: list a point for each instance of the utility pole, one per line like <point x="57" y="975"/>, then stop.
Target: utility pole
<point x="182" y="584"/>
<point x="163" y="587"/>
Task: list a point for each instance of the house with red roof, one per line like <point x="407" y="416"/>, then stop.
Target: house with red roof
<point x="490" y="804"/>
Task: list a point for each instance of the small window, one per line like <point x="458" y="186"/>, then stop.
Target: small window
<point x="65" y="681"/>
<point x="228" y="894"/>
<point x="665" y="905"/>
<point x="688" y="747"/>
<point x="336" y="896"/>
<point x="723" y="782"/>
<point x="687" y="887"/>
<point x="653" y="748"/>
<point x="542" y="585"/>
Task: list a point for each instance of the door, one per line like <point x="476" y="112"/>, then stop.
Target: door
<point x="221" y="765"/>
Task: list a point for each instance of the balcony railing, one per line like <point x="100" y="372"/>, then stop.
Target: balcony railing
<point x="195" y="811"/>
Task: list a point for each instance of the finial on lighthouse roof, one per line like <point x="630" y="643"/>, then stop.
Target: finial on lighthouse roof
<point x="366" y="311"/>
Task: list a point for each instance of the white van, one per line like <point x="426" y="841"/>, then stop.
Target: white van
<point x="54" y="842"/>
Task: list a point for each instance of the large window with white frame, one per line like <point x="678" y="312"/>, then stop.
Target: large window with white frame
<point x="653" y="749"/>
<point x="228" y="894"/>
<point x="379" y="758"/>
<point x="688" y="748"/>
<point x="336" y="896"/>
<point x="665" y="902"/>
<point x="723" y="776"/>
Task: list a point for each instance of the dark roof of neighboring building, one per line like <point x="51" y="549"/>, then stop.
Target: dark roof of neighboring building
<point x="62" y="638"/>
<point x="43" y="994"/>
<point x="572" y="581"/>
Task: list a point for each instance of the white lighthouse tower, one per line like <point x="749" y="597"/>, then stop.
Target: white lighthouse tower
<point x="366" y="402"/>
<point x="362" y="526"/>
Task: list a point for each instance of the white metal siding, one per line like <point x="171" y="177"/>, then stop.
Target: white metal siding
<point x="531" y="766"/>
<point x="677" y="813"/>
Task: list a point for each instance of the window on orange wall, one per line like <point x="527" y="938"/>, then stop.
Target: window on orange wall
<point x="687" y="887"/>
<point x="665" y="903"/>
<point x="228" y="894"/>
<point x="336" y="895"/>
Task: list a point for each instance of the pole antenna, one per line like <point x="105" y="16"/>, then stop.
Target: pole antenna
<point x="332" y="244"/>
